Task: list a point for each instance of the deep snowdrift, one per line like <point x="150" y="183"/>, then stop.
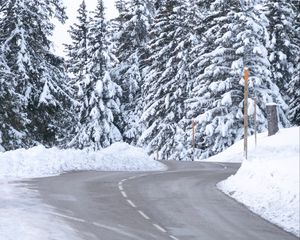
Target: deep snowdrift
<point x="39" y="161"/>
<point x="268" y="182"/>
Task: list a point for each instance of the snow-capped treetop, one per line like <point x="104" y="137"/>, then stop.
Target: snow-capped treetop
<point x="77" y="54"/>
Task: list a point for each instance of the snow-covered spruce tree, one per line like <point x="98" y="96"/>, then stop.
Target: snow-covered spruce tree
<point x="12" y="121"/>
<point x="38" y="75"/>
<point x="2" y="7"/>
<point x="121" y="6"/>
<point x="100" y="95"/>
<point x="166" y="78"/>
<point x="281" y="15"/>
<point x="188" y="45"/>
<point x="12" y="117"/>
<point x="236" y="38"/>
<point x="215" y="83"/>
<point x="130" y="45"/>
<point x="77" y="56"/>
<point x="294" y="85"/>
<point x="294" y="104"/>
<point x="253" y="41"/>
<point x="116" y="25"/>
<point x="158" y="4"/>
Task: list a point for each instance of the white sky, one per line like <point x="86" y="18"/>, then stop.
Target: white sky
<point x="61" y="35"/>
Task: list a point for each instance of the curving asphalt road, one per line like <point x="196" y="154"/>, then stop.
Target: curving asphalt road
<point x="179" y="204"/>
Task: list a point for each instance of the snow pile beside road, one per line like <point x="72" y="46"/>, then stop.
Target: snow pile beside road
<point x="234" y="154"/>
<point x="268" y="182"/>
<point x="24" y="217"/>
<point x="39" y="161"/>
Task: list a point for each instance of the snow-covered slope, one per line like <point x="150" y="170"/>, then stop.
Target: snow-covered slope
<point x="40" y="162"/>
<point x="268" y="182"/>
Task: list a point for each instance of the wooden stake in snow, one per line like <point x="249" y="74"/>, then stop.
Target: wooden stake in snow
<point x="272" y="119"/>
<point x="193" y="133"/>
<point x="255" y="121"/>
<point x="246" y="93"/>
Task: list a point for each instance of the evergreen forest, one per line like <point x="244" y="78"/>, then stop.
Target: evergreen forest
<point x="145" y="76"/>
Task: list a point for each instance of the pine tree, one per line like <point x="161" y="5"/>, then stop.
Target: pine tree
<point x="294" y="104"/>
<point x="158" y="4"/>
<point x="2" y="6"/>
<point x="12" y="119"/>
<point x="100" y="95"/>
<point x="121" y="6"/>
<point x="281" y="15"/>
<point x="236" y="38"/>
<point x="294" y="85"/>
<point x="130" y="45"/>
<point x="186" y="50"/>
<point x="38" y="75"/>
<point x="77" y="51"/>
<point x="165" y="83"/>
<point x="77" y="59"/>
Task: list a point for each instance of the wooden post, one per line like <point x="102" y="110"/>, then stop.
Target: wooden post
<point x="272" y="119"/>
<point x="255" y="120"/>
<point x="246" y="77"/>
<point x="193" y="138"/>
<point x="193" y="133"/>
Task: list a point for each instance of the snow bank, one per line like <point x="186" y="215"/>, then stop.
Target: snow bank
<point x="284" y="139"/>
<point x="24" y="217"/>
<point x="234" y="154"/>
<point x="268" y="182"/>
<point x="39" y="161"/>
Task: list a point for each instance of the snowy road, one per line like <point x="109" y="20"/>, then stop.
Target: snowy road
<point x="182" y="203"/>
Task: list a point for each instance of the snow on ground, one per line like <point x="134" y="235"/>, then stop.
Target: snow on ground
<point x="268" y="182"/>
<point x="39" y="161"/>
<point x="24" y="217"/>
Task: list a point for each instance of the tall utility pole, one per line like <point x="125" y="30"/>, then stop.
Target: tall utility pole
<point x="246" y="93"/>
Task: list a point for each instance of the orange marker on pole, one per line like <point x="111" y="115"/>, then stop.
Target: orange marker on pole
<point x="246" y="92"/>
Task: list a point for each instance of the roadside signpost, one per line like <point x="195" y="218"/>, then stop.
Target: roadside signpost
<point x="193" y="133"/>
<point x="193" y="137"/>
<point x="246" y="93"/>
<point x="255" y="121"/>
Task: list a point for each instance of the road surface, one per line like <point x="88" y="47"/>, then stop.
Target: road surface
<point x="180" y="204"/>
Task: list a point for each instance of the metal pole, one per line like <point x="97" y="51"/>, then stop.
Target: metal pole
<point x="246" y="77"/>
